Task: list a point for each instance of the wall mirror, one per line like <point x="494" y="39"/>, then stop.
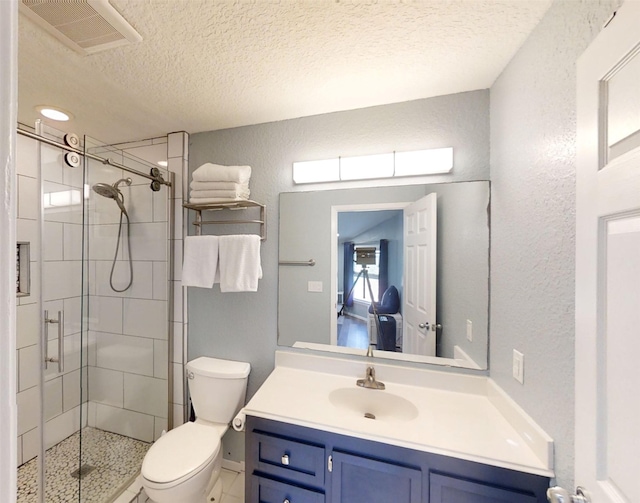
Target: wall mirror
<point x="449" y="273"/>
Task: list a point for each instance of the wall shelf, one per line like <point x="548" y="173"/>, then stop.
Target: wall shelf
<point x="232" y="205"/>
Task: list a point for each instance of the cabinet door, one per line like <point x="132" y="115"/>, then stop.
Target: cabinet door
<point x="357" y="479"/>
<point x="447" y="489"/>
<point x="264" y="490"/>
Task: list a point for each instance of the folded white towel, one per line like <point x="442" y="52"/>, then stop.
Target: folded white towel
<point x="240" y="267"/>
<point x="219" y="185"/>
<point x="209" y="172"/>
<point x="200" y="261"/>
<point x="214" y="200"/>
<point x="228" y="193"/>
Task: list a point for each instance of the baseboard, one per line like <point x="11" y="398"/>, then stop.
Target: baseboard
<point x="234" y="466"/>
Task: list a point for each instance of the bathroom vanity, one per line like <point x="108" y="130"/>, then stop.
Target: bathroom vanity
<point x="444" y="438"/>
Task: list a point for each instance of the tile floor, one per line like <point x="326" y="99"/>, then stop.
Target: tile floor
<point x="232" y="489"/>
<point x="115" y="460"/>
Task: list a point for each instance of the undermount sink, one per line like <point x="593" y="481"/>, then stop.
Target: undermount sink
<point x="373" y="404"/>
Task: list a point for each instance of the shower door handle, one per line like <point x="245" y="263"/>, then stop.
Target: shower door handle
<point x="50" y="359"/>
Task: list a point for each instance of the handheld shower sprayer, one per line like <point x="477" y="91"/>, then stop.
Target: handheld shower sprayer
<point x="113" y="192"/>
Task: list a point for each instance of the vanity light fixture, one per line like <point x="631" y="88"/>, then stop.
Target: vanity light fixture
<point x="391" y="165"/>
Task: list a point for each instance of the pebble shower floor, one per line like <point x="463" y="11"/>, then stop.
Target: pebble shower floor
<point x="116" y="461"/>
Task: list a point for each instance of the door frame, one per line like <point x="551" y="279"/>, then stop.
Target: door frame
<point x="333" y="333"/>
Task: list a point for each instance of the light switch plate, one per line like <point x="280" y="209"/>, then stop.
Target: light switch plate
<point x="314" y="286"/>
<point x="518" y="366"/>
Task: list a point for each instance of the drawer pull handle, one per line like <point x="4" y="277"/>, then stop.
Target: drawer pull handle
<point x="285" y="462"/>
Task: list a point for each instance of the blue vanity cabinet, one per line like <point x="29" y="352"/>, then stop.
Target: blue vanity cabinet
<point x="287" y="463"/>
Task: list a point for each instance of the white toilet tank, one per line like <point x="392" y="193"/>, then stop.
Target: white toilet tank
<point x="217" y="387"/>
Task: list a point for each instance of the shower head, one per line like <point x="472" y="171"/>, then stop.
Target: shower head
<point x="112" y="192"/>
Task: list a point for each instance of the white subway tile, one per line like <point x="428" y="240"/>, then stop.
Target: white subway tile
<point x="125" y="422"/>
<point x="52" y="398"/>
<point x="92" y="348"/>
<point x="52" y="246"/>
<point x="28" y="409"/>
<point x="27" y="230"/>
<point x="146" y="394"/>
<point x="177" y="343"/>
<point x="29" y="367"/>
<point x="72" y="315"/>
<point x="160" y="205"/>
<point x="145" y="318"/>
<point x="160" y="281"/>
<point x="160" y="425"/>
<point x="72" y="241"/>
<point x="19" y="451"/>
<point x="149" y="241"/>
<point x="178" y="218"/>
<point x="71" y="389"/>
<point x="139" y="202"/>
<point x="160" y="359"/>
<point x="30" y="444"/>
<point x="28" y="195"/>
<point x="178" y="415"/>
<point x="107" y="386"/>
<point x="92" y="409"/>
<point x="105" y="314"/>
<point x="178" y="384"/>
<point x="177" y="259"/>
<point x="26" y="156"/>
<point x="72" y="176"/>
<point x="175" y="145"/>
<point x="27" y="325"/>
<point x="61" y="279"/>
<point x="60" y="427"/>
<point x="125" y="353"/>
<point x="51" y="163"/>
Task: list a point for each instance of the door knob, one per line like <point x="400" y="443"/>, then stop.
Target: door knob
<point x="423" y="325"/>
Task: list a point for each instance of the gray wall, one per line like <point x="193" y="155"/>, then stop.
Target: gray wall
<point x="243" y="326"/>
<point x="533" y="115"/>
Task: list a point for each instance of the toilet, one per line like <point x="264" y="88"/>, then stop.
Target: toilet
<point x="184" y="464"/>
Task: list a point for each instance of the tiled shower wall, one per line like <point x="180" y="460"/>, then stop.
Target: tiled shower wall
<point x="178" y="159"/>
<point x="128" y="331"/>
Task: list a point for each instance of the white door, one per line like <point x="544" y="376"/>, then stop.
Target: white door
<point x="607" y="407"/>
<point x="419" y="292"/>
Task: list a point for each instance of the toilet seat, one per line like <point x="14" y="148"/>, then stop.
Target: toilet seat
<point x="180" y="454"/>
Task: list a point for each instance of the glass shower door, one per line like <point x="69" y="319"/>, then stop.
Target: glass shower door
<point x="62" y="274"/>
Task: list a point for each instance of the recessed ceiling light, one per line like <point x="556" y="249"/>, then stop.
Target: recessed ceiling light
<point x="164" y="164"/>
<point x="53" y="113"/>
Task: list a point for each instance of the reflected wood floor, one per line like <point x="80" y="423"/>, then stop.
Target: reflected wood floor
<point x="352" y="332"/>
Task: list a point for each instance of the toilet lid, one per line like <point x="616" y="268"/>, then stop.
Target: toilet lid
<point x="180" y="452"/>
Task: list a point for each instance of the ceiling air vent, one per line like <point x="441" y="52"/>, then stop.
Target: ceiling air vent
<point x="87" y="26"/>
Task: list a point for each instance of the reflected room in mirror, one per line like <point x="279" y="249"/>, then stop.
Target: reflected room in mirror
<point x="404" y="269"/>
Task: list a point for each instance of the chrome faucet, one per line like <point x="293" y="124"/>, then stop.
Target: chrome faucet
<point x="369" y="381"/>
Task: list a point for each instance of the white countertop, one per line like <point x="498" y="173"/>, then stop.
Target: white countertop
<point x="463" y="416"/>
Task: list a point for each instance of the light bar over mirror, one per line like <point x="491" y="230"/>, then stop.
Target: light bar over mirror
<point x="368" y="167"/>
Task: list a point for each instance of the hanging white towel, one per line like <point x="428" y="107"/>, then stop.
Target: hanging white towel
<point x="200" y="261"/>
<point x="209" y="172"/>
<point x="240" y="267"/>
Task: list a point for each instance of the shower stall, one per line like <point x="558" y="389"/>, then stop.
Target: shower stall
<point x="94" y="382"/>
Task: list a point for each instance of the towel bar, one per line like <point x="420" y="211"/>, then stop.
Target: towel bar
<point x="309" y="262"/>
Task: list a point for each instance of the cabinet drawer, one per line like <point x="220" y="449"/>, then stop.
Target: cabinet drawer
<point x="293" y="460"/>
<point x="264" y="490"/>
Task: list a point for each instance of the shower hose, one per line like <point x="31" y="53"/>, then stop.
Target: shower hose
<point x="115" y="257"/>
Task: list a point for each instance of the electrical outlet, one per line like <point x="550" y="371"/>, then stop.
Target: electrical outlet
<point x="469" y="331"/>
<point x="518" y="366"/>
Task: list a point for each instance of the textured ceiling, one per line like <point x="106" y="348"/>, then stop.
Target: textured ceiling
<point x="206" y="65"/>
